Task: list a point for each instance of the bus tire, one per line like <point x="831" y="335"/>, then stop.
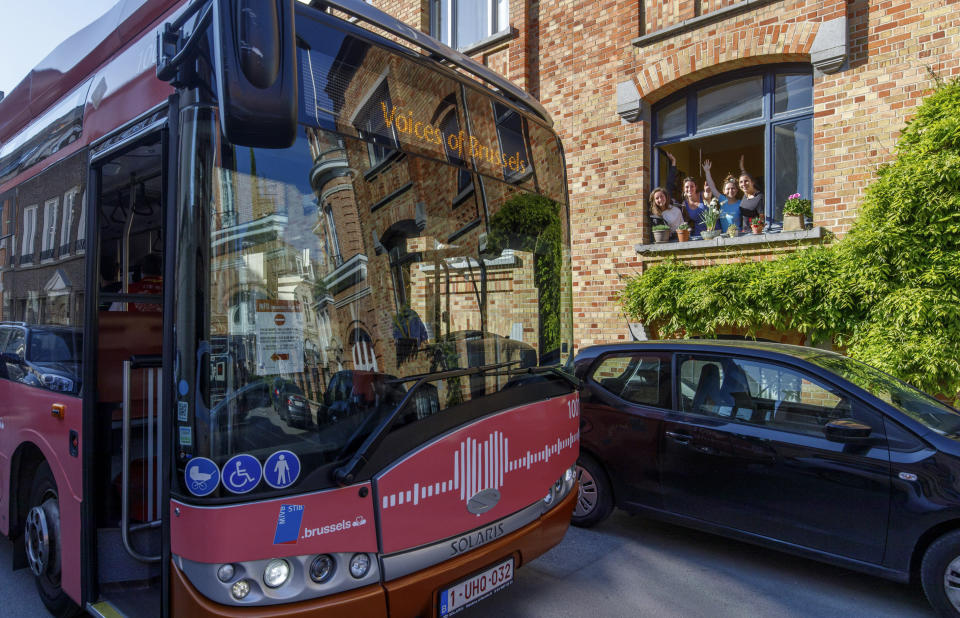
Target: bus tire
<point x="594" y="495"/>
<point x="42" y="542"/>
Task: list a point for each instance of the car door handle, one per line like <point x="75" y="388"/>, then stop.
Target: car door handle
<point x="680" y="438"/>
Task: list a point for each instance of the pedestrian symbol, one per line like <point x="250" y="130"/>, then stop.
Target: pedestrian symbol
<point x="202" y="476"/>
<point x="241" y="473"/>
<point x="281" y="469"/>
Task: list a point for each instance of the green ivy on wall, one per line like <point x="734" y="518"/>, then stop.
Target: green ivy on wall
<point x="888" y="293"/>
<point x="531" y="223"/>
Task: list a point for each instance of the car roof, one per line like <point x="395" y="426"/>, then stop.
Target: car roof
<point x="727" y="346"/>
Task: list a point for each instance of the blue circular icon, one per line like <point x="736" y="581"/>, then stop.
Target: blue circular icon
<point x="183" y="388"/>
<point x="281" y="469"/>
<point x="202" y="476"/>
<point x="241" y="473"/>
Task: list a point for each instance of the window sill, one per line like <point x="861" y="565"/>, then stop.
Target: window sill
<point x="494" y="39"/>
<point x="744" y="240"/>
<point x="700" y="21"/>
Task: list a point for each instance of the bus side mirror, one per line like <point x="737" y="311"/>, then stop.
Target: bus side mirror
<point x="255" y="53"/>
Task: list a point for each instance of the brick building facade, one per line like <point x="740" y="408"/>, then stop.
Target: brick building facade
<point x="612" y="72"/>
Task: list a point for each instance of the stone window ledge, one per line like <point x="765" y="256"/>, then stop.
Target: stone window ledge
<point x="744" y="240"/>
<point x="494" y="39"/>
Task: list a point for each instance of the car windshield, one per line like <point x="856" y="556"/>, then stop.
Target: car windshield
<point x="916" y="404"/>
<point x="389" y="242"/>
<point x="49" y="346"/>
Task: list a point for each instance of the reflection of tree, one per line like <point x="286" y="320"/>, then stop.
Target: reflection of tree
<point x="531" y="223"/>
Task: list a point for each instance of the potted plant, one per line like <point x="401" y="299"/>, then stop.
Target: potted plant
<point x="683" y="232"/>
<point x="795" y="211"/>
<point x="756" y="224"/>
<point x="732" y="230"/>
<point x="710" y="218"/>
<point x="661" y="233"/>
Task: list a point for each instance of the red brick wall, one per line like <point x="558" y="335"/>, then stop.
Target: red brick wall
<point x="572" y="54"/>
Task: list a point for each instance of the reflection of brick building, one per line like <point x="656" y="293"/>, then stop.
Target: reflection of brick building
<point x="832" y="82"/>
<point x="43" y="247"/>
<point x="402" y="232"/>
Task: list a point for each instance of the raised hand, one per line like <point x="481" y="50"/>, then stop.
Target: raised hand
<point x="706" y="165"/>
<point x="673" y="159"/>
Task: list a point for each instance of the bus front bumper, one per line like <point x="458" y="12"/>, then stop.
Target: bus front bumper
<point x="413" y="595"/>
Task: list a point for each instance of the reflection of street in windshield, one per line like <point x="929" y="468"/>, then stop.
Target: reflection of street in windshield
<point x="263" y="428"/>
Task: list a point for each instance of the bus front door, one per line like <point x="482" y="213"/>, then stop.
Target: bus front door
<point x="128" y="202"/>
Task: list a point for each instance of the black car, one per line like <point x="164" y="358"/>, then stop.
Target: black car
<point x="795" y="448"/>
<point x="290" y="404"/>
<point x="41" y="355"/>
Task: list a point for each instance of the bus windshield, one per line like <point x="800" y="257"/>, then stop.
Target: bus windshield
<point x="408" y="256"/>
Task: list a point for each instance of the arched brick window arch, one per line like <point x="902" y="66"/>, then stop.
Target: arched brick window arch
<point x="764" y="113"/>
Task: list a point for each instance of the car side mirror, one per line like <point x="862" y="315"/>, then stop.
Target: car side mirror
<point x="847" y="431"/>
<point x="256" y="71"/>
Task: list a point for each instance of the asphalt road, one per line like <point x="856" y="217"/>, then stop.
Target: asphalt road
<point x="636" y="567"/>
<point x="632" y="566"/>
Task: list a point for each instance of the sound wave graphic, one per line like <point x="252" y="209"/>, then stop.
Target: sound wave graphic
<point x="478" y="466"/>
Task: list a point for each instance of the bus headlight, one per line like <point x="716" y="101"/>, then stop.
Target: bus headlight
<point x="322" y="568"/>
<point x="240" y="589"/>
<point x="225" y="573"/>
<point x="560" y="488"/>
<point x="276" y="573"/>
<point x="359" y="565"/>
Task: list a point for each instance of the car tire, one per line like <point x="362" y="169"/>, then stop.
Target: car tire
<point x="42" y="542"/>
<point x="594" y="497"/>
<point x="940" y="574"/>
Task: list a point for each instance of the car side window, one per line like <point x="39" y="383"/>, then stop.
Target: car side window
<point x="762" y="393"/>
<point x="639" y="378"/>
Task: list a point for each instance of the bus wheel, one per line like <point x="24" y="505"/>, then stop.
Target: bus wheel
<point x="42" y="536"/>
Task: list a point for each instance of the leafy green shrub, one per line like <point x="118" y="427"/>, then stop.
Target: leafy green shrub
<point x="530" y="222"/>
<point x="888" y="293"/>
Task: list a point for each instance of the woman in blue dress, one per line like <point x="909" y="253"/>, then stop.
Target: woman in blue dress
<point x="729" y="201"/>
<point x="693" y="207"/>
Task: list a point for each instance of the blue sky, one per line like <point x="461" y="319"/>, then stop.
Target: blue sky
<point x="31" y="29"/>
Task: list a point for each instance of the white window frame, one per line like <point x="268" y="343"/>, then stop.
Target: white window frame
<point x="82" y="228"/>
<point x="498" y="20"/>
<point x="48" y="235"/>
<point x="29" y="231"/>
<point x="69" y="202"/>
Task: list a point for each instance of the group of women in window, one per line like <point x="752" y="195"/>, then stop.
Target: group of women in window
<point x="740" y="203"/>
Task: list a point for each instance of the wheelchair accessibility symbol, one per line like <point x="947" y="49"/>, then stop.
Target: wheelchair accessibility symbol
<point x="202" y="476"/>
<point x="241" y="473"/>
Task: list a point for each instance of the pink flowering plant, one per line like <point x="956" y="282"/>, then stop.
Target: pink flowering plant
<point x="796" y="205"/>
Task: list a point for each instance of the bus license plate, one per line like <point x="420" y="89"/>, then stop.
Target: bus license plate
<point x="467" y="592"/>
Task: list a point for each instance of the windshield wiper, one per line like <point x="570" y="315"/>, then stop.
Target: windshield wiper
<point x="556" y="370"/>
<point x="345" y="474"/>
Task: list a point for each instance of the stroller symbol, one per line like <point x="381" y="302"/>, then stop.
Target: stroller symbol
<point x="202" y="476"/>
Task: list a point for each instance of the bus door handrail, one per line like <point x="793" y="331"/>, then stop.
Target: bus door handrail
<point x="153" y="490"/>
<point x="345" y="474"/>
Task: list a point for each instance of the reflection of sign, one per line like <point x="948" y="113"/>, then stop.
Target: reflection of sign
<point x="279" y="337"/>
<point x="241" y="473"/>
<point x="281" y="469"/>
<point x="462" y="143"/>
<point x="202" y="476"/>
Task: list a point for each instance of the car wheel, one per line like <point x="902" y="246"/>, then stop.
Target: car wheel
<point x="42" y="542"/>
<point x="940" y="574"/>
<point x="594" y="497"/>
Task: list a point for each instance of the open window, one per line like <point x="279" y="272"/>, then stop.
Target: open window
<point x="764" y="115"/>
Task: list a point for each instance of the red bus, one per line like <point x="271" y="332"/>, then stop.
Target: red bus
<point x="286" y="317"/>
